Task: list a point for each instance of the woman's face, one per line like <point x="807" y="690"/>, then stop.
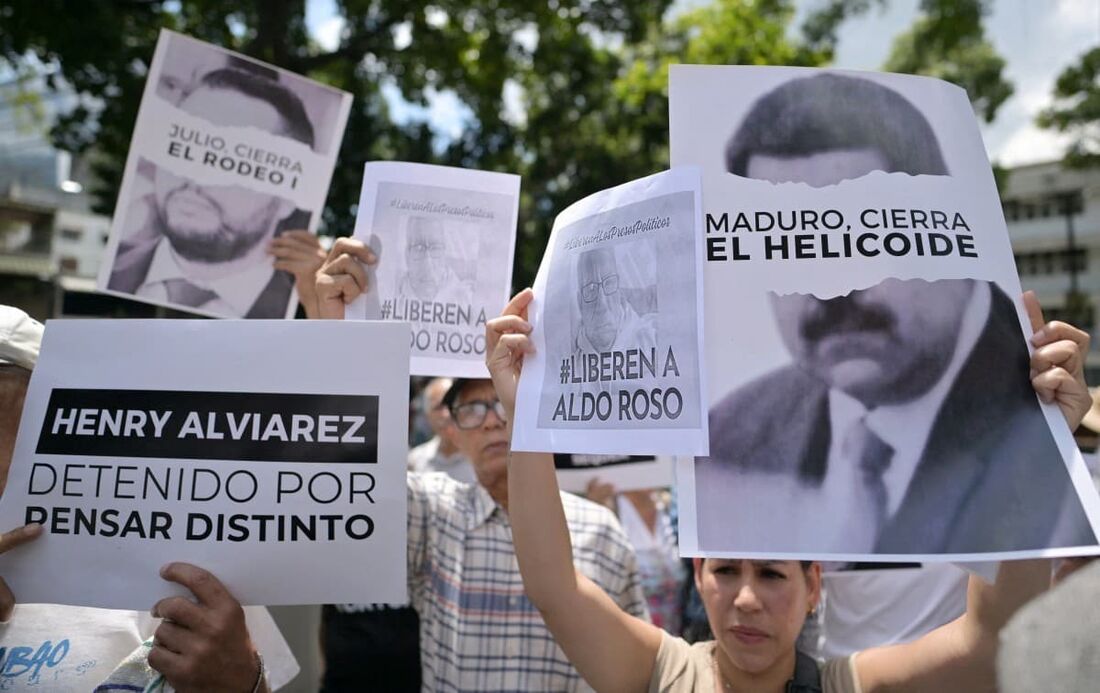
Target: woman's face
<point x="756" y="608"/>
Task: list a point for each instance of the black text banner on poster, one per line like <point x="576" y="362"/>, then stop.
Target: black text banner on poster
<point x="211" y="425"/>
<point x="564" y="461"/>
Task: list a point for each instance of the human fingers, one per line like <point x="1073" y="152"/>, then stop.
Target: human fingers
<point x="1058" y="386"/>
<point x="518" y="304"/>
<point x="333" y="293"/>
<point x="180" y="610"/>
<point x="8" y="541"/>
<point x="7" y="602"/>
<point x="501" y="325"/>
<point x="202" y="583"/>
<point x="19" y="536"/>
<point x="302" y="236"/>
<point x="296" y="267"/>
<point x="517" y="344"/>
<point x="1034" y="310"/>
<point x="504" y="365"/>
<point x="507" y="354"/>
<point x="1056" y="330"/>
<point x="512" y="319"/>
<point x="290" y="248"/>
<point x="308" y="241"/>
<point x="175" y="637"/>
<point x="169" y="663"/>
<point x="347" y="265"/>
<point x="353" y="247"/>
<point x="1063" y="353"/>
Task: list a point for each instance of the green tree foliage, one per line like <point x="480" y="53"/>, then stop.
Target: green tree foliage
<point x="820" y="28"/>
<point x="948" y="41"/>
<point x="1076" y="110"/>
<point x="587" y="79"/>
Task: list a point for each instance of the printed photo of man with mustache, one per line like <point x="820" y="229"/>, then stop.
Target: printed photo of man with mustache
<point x="909" y="406"/>
<point x="906" y="422"/>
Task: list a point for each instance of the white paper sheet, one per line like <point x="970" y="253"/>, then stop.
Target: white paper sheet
<point x="865" y="338"/>
<point x="134" y="450"/>
<point x="227" y="153"/>
<point x="618" y="327"/>
<point x="445" y="238"/>
<point x="624" y="472"/>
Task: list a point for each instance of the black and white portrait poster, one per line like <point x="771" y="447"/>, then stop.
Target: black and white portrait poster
<point x="227" y="153"/>
<point x="245" y="447"/>
<point x="624" y="472"/>
<point x="617" y="368"/>
<point x="444" y="238"/>
<point x="870" y="397"/>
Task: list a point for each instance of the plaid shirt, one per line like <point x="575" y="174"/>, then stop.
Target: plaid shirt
<point x="478" y="630"/>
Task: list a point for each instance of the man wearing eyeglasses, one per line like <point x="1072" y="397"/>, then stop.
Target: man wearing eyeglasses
<point x="429" y="276"/>
<point x="478" y="630"/>
<point x="608" y="322"/>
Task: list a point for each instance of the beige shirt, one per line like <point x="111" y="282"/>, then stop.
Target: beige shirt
<point x="685" y="668"/>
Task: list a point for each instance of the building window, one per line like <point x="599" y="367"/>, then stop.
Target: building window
<point x="1085" y="321"/>
<point x="69" y="264"/>
<point x="1075" y="260"/>
<point x="1051" y="262"/>
<point x="71" y="234"/>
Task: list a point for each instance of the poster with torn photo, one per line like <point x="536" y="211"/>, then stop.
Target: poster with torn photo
<point x="624" y="472"/>
<point x="444" y="238"/>
<point x="617" y="368"/>
<point x="227" y="153"/>
<point x="202" y="446"/>
<point x="869" y="378"/>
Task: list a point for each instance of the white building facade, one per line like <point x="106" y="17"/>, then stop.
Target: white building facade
<point x="1053" y="218"/>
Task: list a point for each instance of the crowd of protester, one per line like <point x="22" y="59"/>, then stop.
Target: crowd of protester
<point x="516" y="586"/>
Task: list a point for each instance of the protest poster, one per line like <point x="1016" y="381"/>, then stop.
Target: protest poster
<point x="870" y="389"/>
<point x="269" y="452"/>
<point x="618" y="329"/>
<point x="227" y="153"/>
<point x="444" y="238"/>
<point x="624" y="472"/>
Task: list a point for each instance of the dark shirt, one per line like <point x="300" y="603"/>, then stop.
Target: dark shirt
<point x="375" y="649"/>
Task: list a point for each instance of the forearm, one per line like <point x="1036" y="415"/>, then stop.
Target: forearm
<point x="962" y="654"/>
<point x="990" y="606"/>
<point x="610" y="648"/>
<point x="539" y="530"/>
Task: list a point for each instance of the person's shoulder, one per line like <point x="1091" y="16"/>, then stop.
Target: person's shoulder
<point x="423" y="453"/>
<point x="682" y="667"/>
<point x="589" y="519"/>
<point x="437" y="490"/>
<point x="579" y="509"/>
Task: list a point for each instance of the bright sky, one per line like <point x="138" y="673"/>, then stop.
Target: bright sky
<point x="1037" y="38"/>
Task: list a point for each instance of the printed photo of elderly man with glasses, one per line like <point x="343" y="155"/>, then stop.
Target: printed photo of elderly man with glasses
<point x="429" y="264"/>
<point x="612" y="313"/>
